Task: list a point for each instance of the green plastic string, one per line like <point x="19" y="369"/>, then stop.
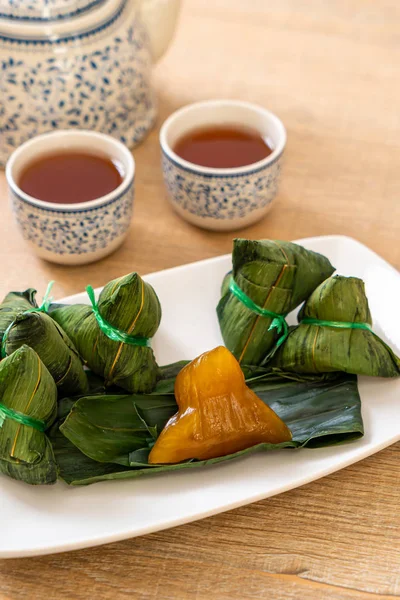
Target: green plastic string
<point x="337" y="324"/>
<point x="14" y="415"/>
<point x="47" y="300"/>
<point x="278" y="321"/>
<point x="117" y="335"/>
<point x="44" y="307"/>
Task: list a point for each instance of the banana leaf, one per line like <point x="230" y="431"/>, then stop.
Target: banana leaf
<point x="13" y="304"/>
<point x="55" y="349"/>
<point x="77" y="469"/>
<point x="130" y="305"/>
<point x="164" y="385"/>
<point x="255" y="373"/>
<point x="316" y="348"/>
<point x="168" y="373"/>
<point x="319" y="413"/>
<point x="27" y="388"/>
<point x="107" y="428"/>
<point x="106" y="431"/>
<point x="276" y="276"/>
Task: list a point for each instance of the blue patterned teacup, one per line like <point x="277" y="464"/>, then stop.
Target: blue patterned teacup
<point x="215" y="198"/>
<point x="73" y="234"/>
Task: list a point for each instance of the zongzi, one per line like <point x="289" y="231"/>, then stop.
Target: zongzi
<point x="218" y="414"/>
<point x="269" y="279"/>
<point x="57" y="352"/>
<point x="113" y="337"/>
<point x="28" y="406"/>
<point x="335" y="334"/>
<point x="13" y="304"/>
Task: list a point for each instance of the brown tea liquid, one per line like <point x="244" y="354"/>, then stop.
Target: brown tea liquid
<point x="222" y="146"/>
<point x="70" y="177"/>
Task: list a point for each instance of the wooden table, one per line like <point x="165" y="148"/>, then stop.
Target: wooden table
<point x="330" y="70"/>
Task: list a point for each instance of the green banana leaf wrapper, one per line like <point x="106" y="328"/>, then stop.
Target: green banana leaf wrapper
<point x="320" y="348"/>
<point x="55" y="349"/>
<point x="120" y="431"/>
<point x="13" y="304"/>
<point x="107" y="428"/>
<point x="27" y="387"/>
<point x="128" y="304"/>
<point x="277" y="276"/>
<point x="102" y="427"/>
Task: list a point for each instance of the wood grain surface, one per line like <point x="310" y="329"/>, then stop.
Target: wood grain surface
<point x="331" y="70"/>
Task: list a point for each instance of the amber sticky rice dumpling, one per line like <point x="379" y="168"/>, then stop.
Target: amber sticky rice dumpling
<point x="218" y="414"/>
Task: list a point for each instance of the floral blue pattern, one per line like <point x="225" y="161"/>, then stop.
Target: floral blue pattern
<point x="74" y="232"/>
<point x="98" y="79"/>
<point x="45" y="10"/>
<point x="222" y="197"/>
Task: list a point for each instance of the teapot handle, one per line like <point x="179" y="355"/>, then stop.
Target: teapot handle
<point x="160" y="18"/>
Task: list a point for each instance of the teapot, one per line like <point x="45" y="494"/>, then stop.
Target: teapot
<point x="80" y="64"/>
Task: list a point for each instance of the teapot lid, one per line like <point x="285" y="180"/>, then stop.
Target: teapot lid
<point x="45" y="10"/>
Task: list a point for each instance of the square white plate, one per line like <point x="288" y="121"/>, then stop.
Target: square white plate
<point x="40" y="520"/>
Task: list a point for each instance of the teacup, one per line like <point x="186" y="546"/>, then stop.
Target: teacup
<point x="73" y="234"/>
<point x="222" y="199"/>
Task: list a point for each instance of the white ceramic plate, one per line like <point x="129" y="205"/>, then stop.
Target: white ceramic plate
<point x="58" y="518"/>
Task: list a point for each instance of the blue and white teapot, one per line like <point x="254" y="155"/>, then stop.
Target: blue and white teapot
<point x="80" y="63"/>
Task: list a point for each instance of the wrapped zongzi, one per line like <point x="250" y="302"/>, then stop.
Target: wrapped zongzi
<point x="269" y="279"/>
<point x="113" y="335"/>
<point x="13" y="304"/>
<point x="335" y="334"/>
<point x="28" y="406"/>
<point x="57" y="352"/>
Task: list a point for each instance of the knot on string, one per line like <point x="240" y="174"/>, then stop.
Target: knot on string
<point x="113" y="333"/>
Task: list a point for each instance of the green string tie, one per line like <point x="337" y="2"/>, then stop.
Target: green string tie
<point x="278" y="321"/>
<point x="44" y="307"/>
<point x="337" y="324"/>
<point x="117" y="335"/>
<point x="9" y="413"/>
<point x="47" y="300"/>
